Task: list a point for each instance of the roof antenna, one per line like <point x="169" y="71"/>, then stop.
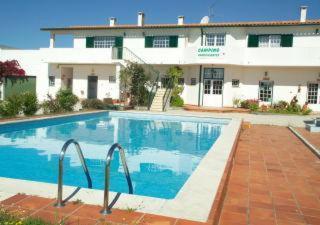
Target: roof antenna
<point x="211" y="10"/>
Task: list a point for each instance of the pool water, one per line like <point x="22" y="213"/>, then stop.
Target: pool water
<point x="161" y="151"/>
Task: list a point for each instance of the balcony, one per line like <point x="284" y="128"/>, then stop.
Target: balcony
<point x="296" y="56"/>
<point x="76" y="55"/>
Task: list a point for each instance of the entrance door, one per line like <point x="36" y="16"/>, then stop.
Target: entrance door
<point x="213" y="87"/>
<point x="92" y="87"/>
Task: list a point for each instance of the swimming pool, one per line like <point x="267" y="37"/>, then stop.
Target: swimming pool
<point x="162" y="151"/>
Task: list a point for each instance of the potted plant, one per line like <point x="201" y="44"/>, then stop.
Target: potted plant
<point x="236" y="102"/>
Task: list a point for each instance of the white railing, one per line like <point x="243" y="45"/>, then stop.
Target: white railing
<point x="76" y="55"/>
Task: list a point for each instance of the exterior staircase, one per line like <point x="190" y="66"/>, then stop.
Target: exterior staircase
<point x="157" y="103"/>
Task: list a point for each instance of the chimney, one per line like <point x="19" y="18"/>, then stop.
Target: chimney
<point x="180" y="20"/>
<point x="141" y="19"/>
<point x="303" y="13"/>
<point x="113" y="21"/>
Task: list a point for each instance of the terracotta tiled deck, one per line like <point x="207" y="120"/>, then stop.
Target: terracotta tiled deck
<point x="275" y="179"/>
<point x="313" y="138"/>
<point x="215" y="109"/>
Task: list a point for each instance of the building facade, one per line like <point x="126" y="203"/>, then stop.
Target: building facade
<point x="269" y="61"/>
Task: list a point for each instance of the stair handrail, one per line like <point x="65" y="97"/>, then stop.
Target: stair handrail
<point x="129" y="55"/>
<point x="59" y="202"/>
<point x="106" y="208"/>
<point x="167" y="94"/>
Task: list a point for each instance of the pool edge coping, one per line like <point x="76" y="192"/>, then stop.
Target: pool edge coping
<point x="167" y="207"/>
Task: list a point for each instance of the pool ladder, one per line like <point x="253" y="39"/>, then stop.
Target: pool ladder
<point x="106" y="207"/>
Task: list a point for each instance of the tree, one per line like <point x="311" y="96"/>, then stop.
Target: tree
<point x="10" y="68"/>
<point x="174" y="73"/>
<point x="134" y="81"/>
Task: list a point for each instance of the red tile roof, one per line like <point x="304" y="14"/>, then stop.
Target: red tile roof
<point x="150" y="26"/>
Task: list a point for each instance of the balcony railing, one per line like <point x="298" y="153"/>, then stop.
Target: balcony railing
<point x="76" y="55"/>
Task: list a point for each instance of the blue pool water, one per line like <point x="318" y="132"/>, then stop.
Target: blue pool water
<point x="161" y="151"/>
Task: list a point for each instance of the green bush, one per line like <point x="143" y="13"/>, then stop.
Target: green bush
<point x="92" y="104"/>
<point x="66" y="100"/>
<point x="11" y="106"/>
<point x="29" y="103"/>
<point x="251" y="104"/>
<point x="51" y="105"/>
<point x="111" y="107"/>
<point x="7" y="218"/>
<point x="177" y="101"/>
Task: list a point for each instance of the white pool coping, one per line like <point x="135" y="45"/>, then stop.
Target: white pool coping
<point x="193" y="201"/>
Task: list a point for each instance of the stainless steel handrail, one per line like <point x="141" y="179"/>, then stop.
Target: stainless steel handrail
<point x="106" y="208"/>
<point x="60" y="178"/>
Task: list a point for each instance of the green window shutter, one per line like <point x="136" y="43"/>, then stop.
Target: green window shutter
<point x="89" y="42"/>
<point x="173" y="41"/>
<point x="119" y="42"/>
<point x="148" y="41"/>
<point x="253" y="41"/>
<point x="286" y="40"/>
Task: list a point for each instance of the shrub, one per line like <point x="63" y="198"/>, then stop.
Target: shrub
<point x="11" y="107"/>
<point x="51" y="105"/>
<point x="108" y="101"/>
<point x="66" y="100"/>
<point x="92" y="104"/>
<point x="29" y="103"/>
<point x="251" y="104"/>
<point x="177" y="101"/>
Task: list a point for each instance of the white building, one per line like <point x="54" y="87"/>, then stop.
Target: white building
<point x="270" y="61"/>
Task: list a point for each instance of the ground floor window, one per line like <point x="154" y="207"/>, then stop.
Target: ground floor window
<point x="265" y="91"/>
<point x="313" y="89"/>
<point x="52" y="81"/>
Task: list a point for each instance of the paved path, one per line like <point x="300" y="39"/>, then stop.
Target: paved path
<point x="275" y="180"/>
<point x="278" y="119"/>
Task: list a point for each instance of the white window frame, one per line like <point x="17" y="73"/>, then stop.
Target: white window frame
<point x="52" y="81"/>
<point x="212" y="39"/>
<point x="275" y="40"/>
<point x="314" y="93"/>
<point x="104" y="42"/>
<point x="264" y="41"/>
<point x="263" y="96"/>
<point x="112" y="79"/>
<point x="161" y="42"/>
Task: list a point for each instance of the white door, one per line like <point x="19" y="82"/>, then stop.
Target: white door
<point x="212" y="92"/>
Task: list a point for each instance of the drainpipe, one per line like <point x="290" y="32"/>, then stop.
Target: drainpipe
<point x="200" y="79"/>
<point x="200" y="70"/>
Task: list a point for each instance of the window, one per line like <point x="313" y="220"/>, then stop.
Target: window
<point x="270" y="40"/>
<point x="235" y="82"/>
<point x="220" y="39"/>
<point x="313" y="93"/>
<point x="112" y="79"/>
<point x="52" y="81"/>
<point x="213" y="73"/>
<point x="193" y="81"/>
<point x="207" y="86"/>
<point x="265" y="91"/>
<point x="103" y="42"/>
<point x="275" y="41"/>
<point x="215" y="39"/>
<point x="217" y="87"/>
<point x="181" y="81"/>
<point x="161" y="42"/>
<point x="263" y="41"/>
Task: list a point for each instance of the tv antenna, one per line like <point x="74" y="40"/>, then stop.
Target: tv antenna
<point x="211" y="9"/>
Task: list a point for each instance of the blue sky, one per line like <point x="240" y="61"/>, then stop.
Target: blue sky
<point x="21" y="20"/>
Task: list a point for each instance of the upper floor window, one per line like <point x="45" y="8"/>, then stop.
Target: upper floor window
<point x="161" y="41"/>
<point x="270" y="40"/>
<point x="103" y="42"/>
<point x="215" y="39"/>
<point x="273" y="41"/>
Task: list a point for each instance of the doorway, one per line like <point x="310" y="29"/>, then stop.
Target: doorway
<point x="213" y="81"/>
<point x="92" y="87"/>
<point x="66" y="78"/>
